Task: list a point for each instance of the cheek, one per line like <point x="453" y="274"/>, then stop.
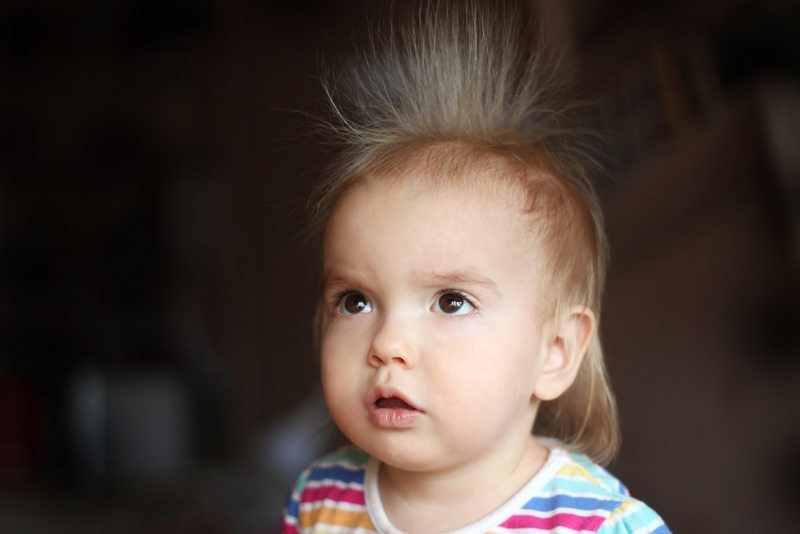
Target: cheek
<point x="500" y="362"/>
<point x="341" y="351"/>
<point x="342" y="341"/>
<point x="335" y="367"/>
<point x="338" y="391"/>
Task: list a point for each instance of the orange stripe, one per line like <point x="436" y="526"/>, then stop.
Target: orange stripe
<point x="338" y="518"/>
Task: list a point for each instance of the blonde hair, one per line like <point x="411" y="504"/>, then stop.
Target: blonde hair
<point x="460" y="78"/>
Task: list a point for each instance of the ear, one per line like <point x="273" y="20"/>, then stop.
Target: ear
<point x="564" y="352"/>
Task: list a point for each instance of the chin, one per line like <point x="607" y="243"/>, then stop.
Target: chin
<point x="404" y="456"/>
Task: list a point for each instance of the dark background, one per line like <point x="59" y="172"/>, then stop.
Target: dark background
<point x="157" y="371"/>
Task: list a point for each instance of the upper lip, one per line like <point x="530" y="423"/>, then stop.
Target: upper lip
<point x="386" y="391"/>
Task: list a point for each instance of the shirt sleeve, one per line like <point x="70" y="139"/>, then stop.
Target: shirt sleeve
<point x="290" y="522"/>
<point x="633" y="517"/>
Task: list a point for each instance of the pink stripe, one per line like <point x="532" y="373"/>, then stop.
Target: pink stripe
<point x="288" y="529"/>
<point x="348" y="495"/>
<point x="571" y="521"/>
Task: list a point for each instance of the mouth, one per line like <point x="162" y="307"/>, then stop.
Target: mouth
<point x="389" y="408"/>
<point x="393" y="403"/>
<point x="388" y="397"/>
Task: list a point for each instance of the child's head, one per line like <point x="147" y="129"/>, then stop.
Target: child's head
<point x="463" y="245"/>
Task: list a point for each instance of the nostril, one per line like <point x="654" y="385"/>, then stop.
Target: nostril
<point x="377" y="360"/>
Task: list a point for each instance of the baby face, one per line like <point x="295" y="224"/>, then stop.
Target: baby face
<point x="432" y="342"/>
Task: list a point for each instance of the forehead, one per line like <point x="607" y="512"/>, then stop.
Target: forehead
<point x="421" y="224"/>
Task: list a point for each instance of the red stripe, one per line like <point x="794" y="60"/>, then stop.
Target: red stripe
<point x="348" y="495"/>
<point x="571" y="521"/>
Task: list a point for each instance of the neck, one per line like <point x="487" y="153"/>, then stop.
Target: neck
<point x="440" y="501"/>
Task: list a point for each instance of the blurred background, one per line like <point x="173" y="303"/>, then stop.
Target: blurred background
<point x="157" y="371"/>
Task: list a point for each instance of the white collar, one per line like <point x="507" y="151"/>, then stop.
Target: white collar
<point x="381" y="521"/>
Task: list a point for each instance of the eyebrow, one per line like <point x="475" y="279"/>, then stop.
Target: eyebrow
<point x="456" y="278"/>
<point x="433" y="278"/>
<point x="334" y="280"/>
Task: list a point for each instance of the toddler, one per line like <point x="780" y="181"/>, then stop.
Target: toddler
<point x="463" y="262"/>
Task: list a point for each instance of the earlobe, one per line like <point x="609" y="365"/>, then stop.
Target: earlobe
<point x="565" y="350"/>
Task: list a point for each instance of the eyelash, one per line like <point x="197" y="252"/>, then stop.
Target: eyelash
<point x="339" y="296"/>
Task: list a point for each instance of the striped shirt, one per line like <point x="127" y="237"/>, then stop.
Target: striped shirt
<point x="570" y="493"/>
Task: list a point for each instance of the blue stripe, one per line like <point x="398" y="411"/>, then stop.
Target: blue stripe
<point x="662" y="530"/>
<point x="337" y="472"/>
<point x="542" y="504"/>
<point x="292" y="507"/>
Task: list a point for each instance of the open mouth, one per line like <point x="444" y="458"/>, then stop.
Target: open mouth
<point x="393" y="403"/>
<point x="389" y="408"/>
<point x="390" y="411"/>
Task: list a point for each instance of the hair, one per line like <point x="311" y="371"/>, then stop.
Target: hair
<point x="465" y="83"/>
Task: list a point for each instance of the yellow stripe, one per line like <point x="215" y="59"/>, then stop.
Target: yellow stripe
<point x="332" y="516"/>
<point x="574" y="470"/>
<point x="621" y="509"/>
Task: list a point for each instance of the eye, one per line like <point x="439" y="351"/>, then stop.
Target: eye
<point x="354" y="303"/>
<point x="453" y="304"/>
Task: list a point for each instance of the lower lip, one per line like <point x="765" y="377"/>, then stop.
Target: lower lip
<point x="394" y="417"/>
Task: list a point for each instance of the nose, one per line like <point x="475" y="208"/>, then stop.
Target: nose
<point x="393" y="344"/>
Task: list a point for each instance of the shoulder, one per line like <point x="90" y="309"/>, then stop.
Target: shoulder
<point x="579" y="471"/>
<point x="335" y="478"/>
<point x="346" y="465"/>
<point x="343" y="468"/>
<point x="583" y="496"/>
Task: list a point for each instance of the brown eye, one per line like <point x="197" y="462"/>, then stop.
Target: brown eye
<point x="354" y="303"/>
<point x="453" y="304"/>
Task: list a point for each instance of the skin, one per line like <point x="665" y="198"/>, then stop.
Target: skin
<point x="432" y="295"/>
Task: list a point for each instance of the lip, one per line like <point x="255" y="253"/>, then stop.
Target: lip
<point x="391" y="417"/>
